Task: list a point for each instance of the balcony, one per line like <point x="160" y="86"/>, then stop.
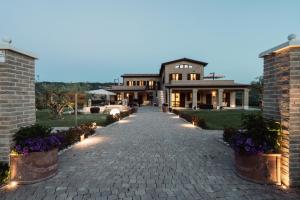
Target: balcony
<point x="132" y="88"/>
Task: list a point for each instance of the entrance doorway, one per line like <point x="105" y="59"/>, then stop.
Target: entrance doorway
<point x="175" y="99"/>
<point x="182" y="100"/>
<point x="208" y="99"/>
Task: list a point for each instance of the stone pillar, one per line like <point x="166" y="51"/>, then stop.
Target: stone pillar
<point x="186" y="105"/>
<point x="170" y="98"/>
<point x="135" y="95"/>
<point x="281" y="101"/>
<point x="194" y="102"/>
<point x="17" y="95"/>
<point x="220" y="98"/>
<point x="246" y="99"/>
<point x="232" y="99"/>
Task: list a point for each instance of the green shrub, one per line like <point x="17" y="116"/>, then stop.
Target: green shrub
<point x="88" y="128"/>
<point x="71" y="136"/>
<point x="31" y="132"/>
<point x="176" y="112"/>
<point x="94" y="109"/>
<point x="124" y="114"/>
<point x="111" y="119"/>
<point x="228" y="133"/>
<point x="4" y="173"/>
<point x="193" y="119"/>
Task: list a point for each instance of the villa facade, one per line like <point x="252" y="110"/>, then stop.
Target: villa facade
<point x="181" y="83"/>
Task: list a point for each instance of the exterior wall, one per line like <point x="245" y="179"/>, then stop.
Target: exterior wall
<point x="170" y="69"/>
<point x="281" y="102"/>
<point x="17" y="99"/>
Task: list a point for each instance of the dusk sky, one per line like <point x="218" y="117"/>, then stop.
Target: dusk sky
<point x="97" y="41"/>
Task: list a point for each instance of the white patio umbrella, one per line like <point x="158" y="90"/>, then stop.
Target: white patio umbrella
<point x="102" y="92"/>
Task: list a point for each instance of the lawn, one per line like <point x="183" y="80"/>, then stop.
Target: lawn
<point x="44" y="117"/>
<point x="217" y="120"/>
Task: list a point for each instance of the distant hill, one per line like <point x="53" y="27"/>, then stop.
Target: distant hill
<point x="84" y="85"/>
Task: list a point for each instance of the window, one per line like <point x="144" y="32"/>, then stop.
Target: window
<point x="193" y="76"/>
<point x="119" y="97"/>
<point x="183" y="66"/>
<point x="130" y="83"/>
<point x="175" y="77"/>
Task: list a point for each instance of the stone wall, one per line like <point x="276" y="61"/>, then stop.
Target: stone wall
<point x="281" y="101"/>
<point x="17" y="99"/>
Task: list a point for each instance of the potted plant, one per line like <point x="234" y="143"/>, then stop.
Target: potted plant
<point x="256" y="148"/>
<point x="34" y="156"/>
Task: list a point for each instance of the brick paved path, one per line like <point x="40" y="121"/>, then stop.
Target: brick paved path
<point x="150" y="155"/>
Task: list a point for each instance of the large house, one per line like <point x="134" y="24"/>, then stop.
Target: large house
<point x="181" y="83"/>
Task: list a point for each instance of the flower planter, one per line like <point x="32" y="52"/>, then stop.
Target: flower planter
<point x="260" y="168"/>
<point x="34" y="167"/>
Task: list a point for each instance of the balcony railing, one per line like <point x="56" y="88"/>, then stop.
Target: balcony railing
<point x="125" y="87"/>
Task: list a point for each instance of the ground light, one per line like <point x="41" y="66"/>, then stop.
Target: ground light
<point x="12" y="184"/>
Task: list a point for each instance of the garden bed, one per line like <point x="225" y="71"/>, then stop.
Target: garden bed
<point x="218" y="119"/>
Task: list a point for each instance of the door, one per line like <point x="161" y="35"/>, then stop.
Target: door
<point x="182" y="100"/>
<point x="208" y="99"/>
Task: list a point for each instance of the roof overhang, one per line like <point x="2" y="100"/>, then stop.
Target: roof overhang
<point x="180" y="60"/>
<point x="294" y="42"/>
<point x="4" y="46"/>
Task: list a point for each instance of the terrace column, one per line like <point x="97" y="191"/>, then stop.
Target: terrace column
<point x="194" y="104"/>
<point x="220" y="98"/>
<point x="232" y="99"/>
<point x="122" y="95"/>
<point x="135" y="95"/>
<point x="170" y="98"/>
<point x="246" y="99"/>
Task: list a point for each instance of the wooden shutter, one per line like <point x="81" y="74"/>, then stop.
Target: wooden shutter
<point x="127" y="83"/>
<point x="197" y="76"/>
<point x="134" y="83"/>
<point x="188" y="76"/>
<point x="170" y="77"/>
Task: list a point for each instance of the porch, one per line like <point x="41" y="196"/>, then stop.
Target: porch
<point x="209" y="98"/>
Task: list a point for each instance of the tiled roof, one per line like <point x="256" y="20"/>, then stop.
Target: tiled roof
<point x="140" y="75"/>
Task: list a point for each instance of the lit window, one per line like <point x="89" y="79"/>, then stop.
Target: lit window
<point x="119" y="97"/>
<point x="177" y="66"/>
<point x="193" y="77"/>
<point x="130" y="83"/>
<point x="190" y="66"/>
<point x="175" y="77"/>
<point x="180" y="66"/>
<point x="186" y="66"/>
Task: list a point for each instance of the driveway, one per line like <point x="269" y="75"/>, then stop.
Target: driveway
<point x="149" y="155"/>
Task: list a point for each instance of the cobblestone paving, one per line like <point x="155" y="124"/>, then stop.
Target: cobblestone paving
<point x="150" y="155"/>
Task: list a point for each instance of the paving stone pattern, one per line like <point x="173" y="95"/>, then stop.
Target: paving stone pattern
<point x="150" y="155"/>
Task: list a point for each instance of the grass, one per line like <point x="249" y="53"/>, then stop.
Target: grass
<point x="44" y="117"/>
<point x="217" y="120"/>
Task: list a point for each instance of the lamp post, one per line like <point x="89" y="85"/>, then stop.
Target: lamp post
<point x="76" y="109"/>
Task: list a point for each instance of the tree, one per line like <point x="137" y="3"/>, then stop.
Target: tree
<point x="256" y="90"/>
<point x="57" y="100"/>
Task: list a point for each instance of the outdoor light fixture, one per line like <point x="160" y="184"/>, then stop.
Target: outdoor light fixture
<point x="82" y="137"/>
<point x="213" y="93"/>
<point x="12" y="184"/>
<point x="114" y="111"/>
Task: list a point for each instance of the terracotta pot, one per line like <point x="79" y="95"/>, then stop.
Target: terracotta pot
<point x="34" y="167"/>
<point x="260" y="168"/>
